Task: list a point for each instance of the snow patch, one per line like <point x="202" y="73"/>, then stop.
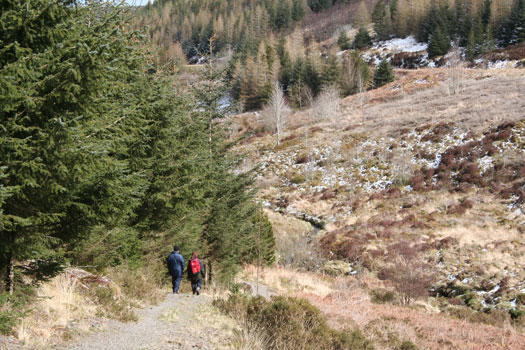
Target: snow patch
<point x="408" y="44"/>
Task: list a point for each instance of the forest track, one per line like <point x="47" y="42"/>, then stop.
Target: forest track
<point x="181" y="322"/>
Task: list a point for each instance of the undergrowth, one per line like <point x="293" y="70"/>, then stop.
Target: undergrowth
<point x="291" y="323"/>
<point x="13" y="308"/>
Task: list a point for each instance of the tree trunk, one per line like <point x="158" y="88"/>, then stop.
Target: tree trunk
<point x="209" y="274"/>
<point x="10" y="282"/>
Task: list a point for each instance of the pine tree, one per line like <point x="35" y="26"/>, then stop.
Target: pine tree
<point x="331" y="71"/>
<point x="379" y="18"/>
<point x="439" y="43"/>
<point x="66" y="155"/>
<point x="383" y="74"/>
<point x="463" y="21"/>
<point x="311" y="76"/>
<point x="283" y="15"/>
<point x="512" y="30"/>
<point x="362" y="39"/>
<point x="297" y="10"/>
<point x="344" y="41"/>
<point x="319" y="5"/>
<point x="471" y="46"/>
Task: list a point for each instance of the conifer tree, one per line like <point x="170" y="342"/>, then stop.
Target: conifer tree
<point x="319" y="5"/>
<point x="362" y="39"/>
<point x="297" y="10"/>
<point x="66" y="155"/>
<point x="383" y="74"/>
<point x="343" y="40"/>
<point x="331" y="71"/>
<point x="512" y="30"/>
<point x="439" y="43"/>
<point x="362" y="17"/>
<point x="380" y="20"/>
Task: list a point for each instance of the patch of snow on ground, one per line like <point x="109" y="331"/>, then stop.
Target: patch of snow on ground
<point x="498" y="64"/>
<point x="408" y="44"/>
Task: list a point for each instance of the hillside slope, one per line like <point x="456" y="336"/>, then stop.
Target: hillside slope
<point x="411" y="173"/>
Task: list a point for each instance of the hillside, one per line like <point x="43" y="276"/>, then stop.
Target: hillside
<point x="409" y="176"/>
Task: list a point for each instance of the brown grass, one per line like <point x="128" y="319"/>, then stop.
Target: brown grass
<point x="484" y="100"/>
<point x="428" y="331"/>
<point x="59" y="307"/>
<point x="346" y="303"/>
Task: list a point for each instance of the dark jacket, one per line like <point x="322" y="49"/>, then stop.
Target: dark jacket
<point x="199" y="275"/>
<point x="175" y="263"/>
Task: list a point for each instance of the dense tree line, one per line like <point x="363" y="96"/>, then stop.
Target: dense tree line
<point x="477" y="25"/>
<point x="102" y="160"/>
<point x="265" y="42"/>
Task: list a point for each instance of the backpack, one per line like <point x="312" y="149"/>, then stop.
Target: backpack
<point x="195" y="266"/>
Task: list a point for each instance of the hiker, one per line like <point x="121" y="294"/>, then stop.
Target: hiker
<point x="175" y="267"/>
<point x="196" y="273"/>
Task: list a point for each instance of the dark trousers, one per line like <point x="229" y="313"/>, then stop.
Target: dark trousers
<point x="175" y="280"/>
<point x="196" y="286"/>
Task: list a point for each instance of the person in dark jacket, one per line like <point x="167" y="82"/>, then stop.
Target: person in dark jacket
<point x="196" y="273"/>
<point x="175" y="267"/>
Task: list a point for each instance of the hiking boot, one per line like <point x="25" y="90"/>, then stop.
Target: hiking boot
<point x="198" y="291"/>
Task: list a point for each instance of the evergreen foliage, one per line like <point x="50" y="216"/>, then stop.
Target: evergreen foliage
<point x="381" y="20"/>
<point x="344" y="41"/>
<point x="383" y="74"/>
<point x="438" y="44"/>
<point x="102" y="161"/>
<point x="319" y="5"/>
<point x="362" y="39"/>
<point x="65" y="151"/>
<point x="439" y="18"/>
<point x="512" y="30"/>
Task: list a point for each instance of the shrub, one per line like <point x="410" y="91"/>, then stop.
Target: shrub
<point x="13" y="308"/>
<point x="298" y="179"/>
<point x="407" y="345"/>
<point x="382" y="296"/>
<point x="409" y="277"/>
<point x="291" y="323"/>
<point x="326" y="105"/>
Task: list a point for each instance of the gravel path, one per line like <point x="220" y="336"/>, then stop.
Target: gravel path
<point x="180" y="322"/>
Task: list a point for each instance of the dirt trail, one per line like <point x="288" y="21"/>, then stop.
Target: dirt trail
<point x="180" y="322"/>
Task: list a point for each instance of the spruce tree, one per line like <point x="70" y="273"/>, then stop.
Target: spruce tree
<point x="297" y="10"/>
<point x="512" y="30"/>
<point x="439" y="43"/>
<point x="66" y="151"/>
<point x="384" y="74"/>
<point x="379" y="18"/>
<point x="362" y="39"/>
<point x="344" y="41"/>
<point x="331" y="71"/>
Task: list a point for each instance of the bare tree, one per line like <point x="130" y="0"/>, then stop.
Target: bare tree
<point x="456" y="71"/>
<point x="275" y="114"/>
<point x="326" y="106"/>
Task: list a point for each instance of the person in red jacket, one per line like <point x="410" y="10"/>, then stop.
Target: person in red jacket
<point x="195" y="273"/>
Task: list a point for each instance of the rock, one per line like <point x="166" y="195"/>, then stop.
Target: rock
<point x="336" y="268"/>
